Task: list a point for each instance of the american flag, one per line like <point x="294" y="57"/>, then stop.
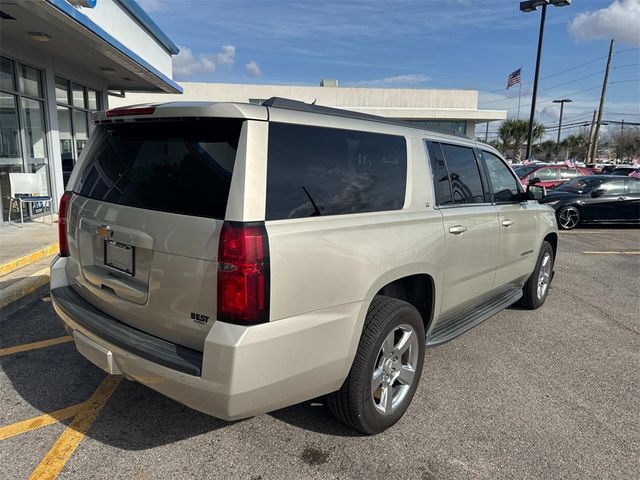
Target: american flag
<point x="635" y="174"/>
<point x="513" y="78"/>
<point x="571" y="163"/>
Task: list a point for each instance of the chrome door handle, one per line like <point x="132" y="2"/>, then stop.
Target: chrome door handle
<point x="507" y="223"/>
<point x="622" y="198"/>
<point x="457" y="229"/>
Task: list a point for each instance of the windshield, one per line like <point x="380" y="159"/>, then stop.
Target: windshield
<point x="580" y="185"/>
<point x="523" y="171"/>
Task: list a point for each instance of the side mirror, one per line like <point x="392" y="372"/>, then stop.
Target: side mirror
<point x="598" y="193"/>
<point x="536" y="192"/>
<point x="533" y="181"/>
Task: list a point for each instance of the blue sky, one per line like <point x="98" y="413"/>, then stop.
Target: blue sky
<point x="460" y="44"/>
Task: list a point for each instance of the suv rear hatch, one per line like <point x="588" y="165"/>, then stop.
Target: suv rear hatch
<point x="144" y="221"/>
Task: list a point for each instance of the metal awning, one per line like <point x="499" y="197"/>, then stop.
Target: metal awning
<point x="77" y="41"/>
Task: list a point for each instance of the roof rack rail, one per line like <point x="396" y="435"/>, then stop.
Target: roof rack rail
<point x="289" y="104"/>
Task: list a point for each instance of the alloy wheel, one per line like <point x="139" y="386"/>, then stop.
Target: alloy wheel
<point x="544" y="276"/>
<point x="395" y="368"/>
<point x="569" y="218"/>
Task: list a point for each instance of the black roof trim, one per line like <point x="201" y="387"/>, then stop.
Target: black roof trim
<point x="289" y="104"/>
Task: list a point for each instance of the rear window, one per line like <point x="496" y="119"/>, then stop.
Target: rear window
<point x="181" y="166"/>
<point x="315" y="171"/>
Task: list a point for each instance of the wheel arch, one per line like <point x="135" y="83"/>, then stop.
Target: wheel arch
<point x="418" y="289"/>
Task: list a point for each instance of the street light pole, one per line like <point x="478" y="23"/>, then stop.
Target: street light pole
<point x="561" y="102"/>
<point x="531" y="6"/>
<point x="535" y="84"/>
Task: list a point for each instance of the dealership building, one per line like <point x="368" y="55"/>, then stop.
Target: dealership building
<point x="62" y="59"/>
<point x="449" y="111"/>
<point x="59" y="60"/>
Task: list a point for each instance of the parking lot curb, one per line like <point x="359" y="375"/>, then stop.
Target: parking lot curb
<point x="24" y="287"/>
<point x="33" y="257"/>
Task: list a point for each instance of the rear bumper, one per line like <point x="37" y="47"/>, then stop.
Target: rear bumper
<point x="243" y="371"/>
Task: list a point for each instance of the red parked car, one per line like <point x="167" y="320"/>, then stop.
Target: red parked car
<point x="550" y="175"/>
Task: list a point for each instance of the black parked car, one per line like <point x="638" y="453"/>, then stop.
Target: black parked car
<point x="624" y="170"/>
<point x="596" y="199"/>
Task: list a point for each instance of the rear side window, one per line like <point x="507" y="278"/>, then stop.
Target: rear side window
<point x="545" y="174"/>
<point x="315" y="171"/>
<point x="464" y="175"/>
<point x="614" y="187"/>
<point x="182" y="166"/>
<point x="634" y="185"/>
<point x="569" y="173"/>
<point x="440" y="175"/>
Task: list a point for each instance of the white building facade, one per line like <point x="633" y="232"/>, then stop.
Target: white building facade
<point x="448" y="111"/>
<point x="60" y="60"/>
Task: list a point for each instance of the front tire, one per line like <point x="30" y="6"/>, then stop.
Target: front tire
<point x="535" y="291"/>
<point x="569" y="217"/>
<point x="386" y="370"/>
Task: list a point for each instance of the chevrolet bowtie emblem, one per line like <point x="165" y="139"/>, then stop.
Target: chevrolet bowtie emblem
<point x="104" y="231"/>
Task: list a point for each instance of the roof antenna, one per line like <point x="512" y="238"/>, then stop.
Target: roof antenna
<point x="314" y="101"/>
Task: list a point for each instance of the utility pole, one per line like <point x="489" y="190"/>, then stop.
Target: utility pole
<point x="561" y="102"/>
<point x="535" y="83"/>
<point x="486" y="133"/>
<point x="601" y="108"/>
<point x="590" y="139"/>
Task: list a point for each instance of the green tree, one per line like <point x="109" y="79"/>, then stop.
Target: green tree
<point x="545" y="150"/>
<point x="577" y="145"/>
<point x="513" y="135"/>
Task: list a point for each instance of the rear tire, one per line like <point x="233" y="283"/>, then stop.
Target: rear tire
<point x="386" y="369"/>
<point x="536" y="289"/>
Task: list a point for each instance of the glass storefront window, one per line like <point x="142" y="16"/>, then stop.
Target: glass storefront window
<point x="31" y="82"/>
<point x="6" y="75"/>
<point x="66" y="142"/>
<point x="78" y="96"/>
<point x="10" y="158"/>
<point x="81" y="127"/>
<point x="62" y="90"/>
<point x="35" y="133"/>
<point x="93" y="99"/>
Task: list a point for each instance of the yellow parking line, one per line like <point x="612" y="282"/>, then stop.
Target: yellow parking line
<point x="40" y="421"/>
<point x="32" y="346"/>
<point x="56" y="458"/>
<point x="612" y="253"/>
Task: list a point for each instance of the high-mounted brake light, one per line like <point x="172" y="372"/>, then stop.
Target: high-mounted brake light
<point x="243" y="273"/>
<point x="121" y="112"/>
<point x="63" y="215"/>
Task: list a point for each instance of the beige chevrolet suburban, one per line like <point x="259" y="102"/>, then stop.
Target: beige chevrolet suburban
<point x="242" y="258"/>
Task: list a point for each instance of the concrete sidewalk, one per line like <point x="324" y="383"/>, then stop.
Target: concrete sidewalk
<point x="25" y="255"/>
<point x="16" y="242"/>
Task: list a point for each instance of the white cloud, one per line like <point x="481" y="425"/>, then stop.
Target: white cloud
<point x="620" y="20"/>
<point x="397" y="80"/>
<point x="253" y="69"/>
<point x="227" y="55"/>
<point x="186" y="64"/>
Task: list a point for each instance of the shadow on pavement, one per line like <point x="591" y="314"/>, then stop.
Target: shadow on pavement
<point x="135" y="417"/>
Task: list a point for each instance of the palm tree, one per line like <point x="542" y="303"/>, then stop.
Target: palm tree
<point x="547" y="149"/>
<point x="513" y="134"/>
<point x="577" y="145"/>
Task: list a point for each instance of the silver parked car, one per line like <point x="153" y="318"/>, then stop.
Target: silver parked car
<point x="241" y="258"/>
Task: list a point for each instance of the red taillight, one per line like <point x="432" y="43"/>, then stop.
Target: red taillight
<point x="120" y="112"/>
<point x="63" y="213"/>
<point x="243" y="273"/>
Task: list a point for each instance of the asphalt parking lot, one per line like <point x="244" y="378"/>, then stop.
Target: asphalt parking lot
<point x="553" y="393"/>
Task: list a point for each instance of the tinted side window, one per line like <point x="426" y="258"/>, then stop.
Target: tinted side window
<point x="504" y="186"/>
<point x="315" y="171"/>
<point x="634" y="185"/>
<point x="569" y="173"/>
<point x="545" y="174"/>
<point x="466" y="184"/>
<point x="613" y="187"/>
<point x="442" y="187"/>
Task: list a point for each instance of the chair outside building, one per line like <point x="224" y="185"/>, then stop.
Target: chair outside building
<point x="26" y="189"/>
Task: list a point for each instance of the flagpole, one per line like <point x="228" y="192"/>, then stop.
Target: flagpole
<point x="519" y="91"/>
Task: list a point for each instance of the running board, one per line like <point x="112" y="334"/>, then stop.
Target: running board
<point x="453" y="325"/>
